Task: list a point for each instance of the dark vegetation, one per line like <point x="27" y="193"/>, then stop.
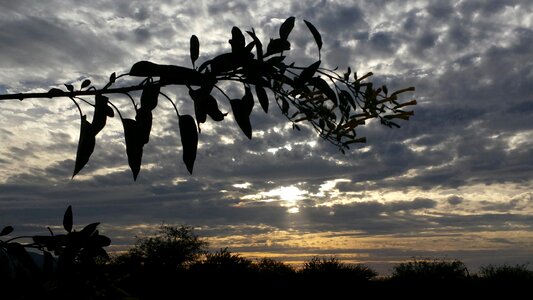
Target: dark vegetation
<point x="176" y="262"/>
<point x="331" y="102"/>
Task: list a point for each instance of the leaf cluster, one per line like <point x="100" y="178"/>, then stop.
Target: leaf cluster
<point x="332" y="103"/>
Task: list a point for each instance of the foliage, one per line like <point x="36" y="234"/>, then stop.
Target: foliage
<point x="172" y="247"/>
<point x="334" y="269"/>
<point x="430" y="269"/>
<point x="68" y="260"/>
<point x="332" y="103"/>
<point x="509" y="273"/>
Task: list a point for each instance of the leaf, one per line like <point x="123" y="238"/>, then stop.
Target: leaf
<point x="86" y="145"/>
<point x="262" y="97"/>
<point x="149" y="97"/>
<point x="55" y="92"/>
<point x="70" y="88"/>
<point x="347" y="96"/>
<point x="88" y="230"/>
<point x="85" y="83"/>
<point x="324" y="87"/>
<point x="286" y="28"/>
<point x="315" y="33"/>
<point x="277" y="46"/>
<point x="307" y="73"/>
<point x="101" y="111"/>
<point x="134" y="146"/>
<point x="241" y="113"/>
<point x="112" y="77"/>
<point x="189" y="140"/>
<point x="169" y="74"/>
<point x="6" y="230"/>
<point x="258" y="44"/>
<point x="195" y="48"/>
<point x="144" y="125"/>
<point x="237" y="41"/>
<point x="67" y="219"/>
<point x="205" y="103"/>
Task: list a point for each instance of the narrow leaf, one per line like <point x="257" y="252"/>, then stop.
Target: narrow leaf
<point x="189" y="140"/>
<point x="101" y="111"/>
<point x="149" y="97"/>
<point x="262" y="97"/>
<point x="144" y="125"/>
<point x="237" y="41"/>
<point x="242" y="116"/>
<point x="258" y="44"/>
<point x="324" y="87"/>
<point x="169" y="74"/>
<point x="315" y="33"/>
<point x="67" y="219"/>
<point x="134" y="145"/>
<point x="307" y="73"/>
<point x="347" y="96"/>
<point x="195" y="49"/>
<point x="85" y="83"/>
<point x="277" y="46"/>
<point x="112" y="77"/>
<point x="286" y="28"/>
<point x="6" y="230"/>
<point x="89" y="229"/>
<point x="86" y="145"/>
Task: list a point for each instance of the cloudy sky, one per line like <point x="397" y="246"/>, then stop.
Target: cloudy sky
<point x="455" y="181"/>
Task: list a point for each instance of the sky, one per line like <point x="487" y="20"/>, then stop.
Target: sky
<point x="454" y="182"/>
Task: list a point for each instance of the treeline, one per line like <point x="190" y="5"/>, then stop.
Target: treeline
<point x="175" y="263"/>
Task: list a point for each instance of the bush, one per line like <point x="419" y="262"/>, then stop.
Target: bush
<point x="506" y="273"/>
<point x="430" y="269"/>
<point x="332" y="268"/>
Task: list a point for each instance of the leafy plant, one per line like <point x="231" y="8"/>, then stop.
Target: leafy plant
<point x="333" y="103"/>
<point x="430" y="269"/>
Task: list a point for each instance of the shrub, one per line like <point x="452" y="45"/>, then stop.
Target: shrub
<point x="332" y="268"/>
<point x="430" y="269"/>
<point x="507" y="273"/>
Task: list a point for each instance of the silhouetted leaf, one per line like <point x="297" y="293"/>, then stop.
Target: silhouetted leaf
<point x="315" y="33"/>
<point x="6" y="230"/>
<point x="237" y="40"/>
<point x="189" y="140"/>
<point x="67" y="219"/>
<point x="55" y="92"/>
<point x="195" y="48"/>
<point x="70" y="88"/>
<point x="89" y="229"/>
<point x="149" y="97"/>
<point x="85" y="83"/>
<point x="86" y="145"/>
<point x="112" y="77"/>
<point x="101" y="111"/>
<point x="241" y="112"/>
<point x="205" y="103"/>
<point x="348" y="97"/>
<point x="262" y="97"/>
<point x="277" y="46"/>
<point x="169" y="74"/>
<point x="258" y="44"/>
<point x="324" y="87"/>
<point x="144" y="125"/>
<point x="307" y="73"/>
<point x="286" y="28"/>
<point x="134" y="146"/>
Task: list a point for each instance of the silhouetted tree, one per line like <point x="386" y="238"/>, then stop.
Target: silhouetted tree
<point x="171" y="248"/>
<point x="430" y="270"/>
<point x="332" y="103"/>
